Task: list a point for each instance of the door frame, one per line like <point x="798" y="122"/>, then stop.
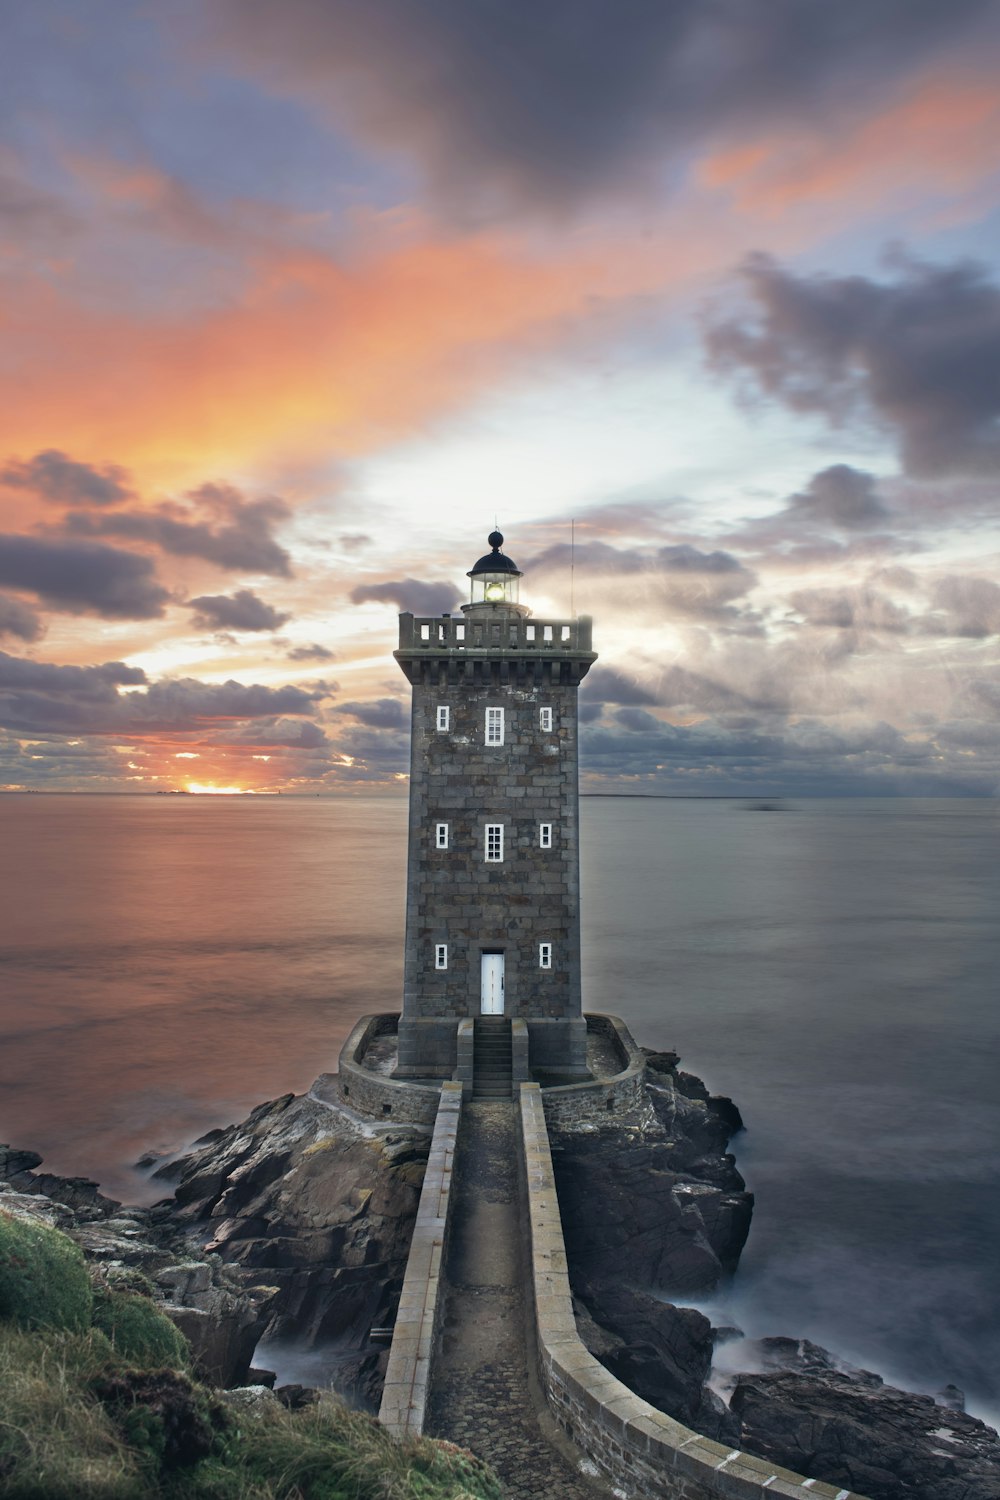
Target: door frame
<point x="484" y="954"/>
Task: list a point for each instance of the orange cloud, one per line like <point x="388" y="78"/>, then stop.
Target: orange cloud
<point x="941" y="136"/>
<point x="312" y="356"/>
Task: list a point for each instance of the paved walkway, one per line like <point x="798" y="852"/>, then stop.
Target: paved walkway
<point x="482" y="1396"/>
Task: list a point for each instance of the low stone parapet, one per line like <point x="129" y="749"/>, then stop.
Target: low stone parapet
<point x="641" y="1450"/>
<point x="378" y="1094"/>
<point x="416" y="1334"/>
<point x="620" y="1093"/>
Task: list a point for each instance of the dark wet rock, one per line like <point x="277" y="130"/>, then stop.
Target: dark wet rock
<point x="662" y="1352"/>
<point x="297" y="1397"/>
<point x="863" y="1435"/>
<point x="257" y="1376"/>
<point x="661" y="1207"/>
<point x="298" y="1197"/>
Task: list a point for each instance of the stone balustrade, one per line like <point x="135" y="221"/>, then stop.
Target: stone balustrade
<point x="416" y="1333"/>
<point x="642" y="1451"/>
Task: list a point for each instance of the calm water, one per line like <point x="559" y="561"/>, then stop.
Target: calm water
<point x="167" y="962"/>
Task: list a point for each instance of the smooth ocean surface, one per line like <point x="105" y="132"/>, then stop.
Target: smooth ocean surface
<point x="167" y="962"/>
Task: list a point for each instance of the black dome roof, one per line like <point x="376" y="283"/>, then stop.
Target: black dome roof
<point x="495" y="562"/>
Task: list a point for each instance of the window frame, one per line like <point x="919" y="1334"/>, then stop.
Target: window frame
<point x="440" y="956"/>
<point x="545" y="955"/>
<point x="546" y="719"/>
<point x="493" y="844"/>
<point x="545" y="835"/>
<point x="494" y="725"/>
<point x="442" y="835"/>
<point x="443" y="720"/>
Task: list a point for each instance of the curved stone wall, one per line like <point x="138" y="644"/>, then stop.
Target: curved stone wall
<point x="376" y="1094"/>
<point x="641" y="1450"/>
<point x="572" y="1103"/>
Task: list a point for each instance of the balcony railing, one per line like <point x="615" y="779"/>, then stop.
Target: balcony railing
<point x="451" y="633"/>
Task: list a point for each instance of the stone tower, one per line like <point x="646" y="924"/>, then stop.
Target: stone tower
<point x="493" y="884"/>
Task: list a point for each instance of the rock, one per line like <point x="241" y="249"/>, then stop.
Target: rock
<point x="863" y="1435"/>
<point x="297" y="1397"/>
<point x="662" y="1352"/>
<point x="252" y="1398"/>
<point x="663" y="1208"/>
<point x="952" y="1397"/>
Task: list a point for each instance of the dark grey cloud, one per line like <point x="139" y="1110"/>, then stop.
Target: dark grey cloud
<point x="409" y="594"/>
<point x="379" y="713"/>
<point x="919" y="353"/>
<point x="279" y="734"/>
<point x="99" y="682"/>
<point x="746" y="755"/>
<point x="504" y="104"/>
<point x="53" y="476"/>
<point x="312" y="652"/>
<point x="240" y="611"/>
<point x="605" y="685"/>
<point x="237" y="533"/>
<point x="46" y="698"/>
<point x="17" y="619"/>
<point x="840" y="496"/>
<point x="83" y="577"/>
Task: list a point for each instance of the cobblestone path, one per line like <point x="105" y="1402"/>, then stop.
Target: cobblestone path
<point x="481" y="1396"/>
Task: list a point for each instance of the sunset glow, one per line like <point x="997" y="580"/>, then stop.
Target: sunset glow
<point x="289" y="323"/>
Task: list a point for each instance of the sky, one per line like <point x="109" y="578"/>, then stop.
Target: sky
<point x="297" y="301"/>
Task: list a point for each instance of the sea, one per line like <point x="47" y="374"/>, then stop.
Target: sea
<point x="168" y="962"/>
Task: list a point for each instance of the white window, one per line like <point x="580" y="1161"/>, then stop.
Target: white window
<point x="547" y="634"/>
<point x="494" y="843"/>
<point x="545" y="835"/>
<point x="460" y="632"/>
<point x="529" y="632"/>
<point x="545" y="955"/>
<point x="443" y="716"/>
<point x="425" y="632"/>
<point x="442" y="836"/>
<point x="545" y="720"/>
<point x="440" y="955"/>
<point x="494" y="726"/>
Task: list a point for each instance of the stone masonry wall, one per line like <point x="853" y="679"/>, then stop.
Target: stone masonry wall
<point x="621" y="1094"/>
<point x="641" y="1450"/>
<point x="453" y="895"/>
<point x="417" y="1331"/>
<point x="376" y="1094"/>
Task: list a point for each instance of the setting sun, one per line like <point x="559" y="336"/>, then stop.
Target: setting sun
<point x="201" y="788"/>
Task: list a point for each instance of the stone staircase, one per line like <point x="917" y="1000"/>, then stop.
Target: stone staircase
<point x="491" y="1077"/>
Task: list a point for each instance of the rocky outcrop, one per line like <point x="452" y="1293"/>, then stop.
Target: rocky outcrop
<point x="811" y="1412"/>
<point x="302" y="1196"/>
<point x="221" y="1314"/>
<point x="661" y="1205"/>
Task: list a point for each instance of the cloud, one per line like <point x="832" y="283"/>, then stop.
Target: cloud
<point x="312" y="652"/>
<point x="83" y="577"/>
<point x="971" y="606"/>
<point x="17" y="619"/>
<point x="64" y="481"/>
<point x="840" y="496"/>
<point x="678" y="581"/>
<point x="859" y="608"/>
<point x="605" y="685"/>
<point x="409" y="594"/>
<point x="381" y="713"/>
<point x="46" y="698"/>
<point x="240" y="611"/>
<point x="919" y="353"/>
<point x="506" y="107"/>
<point x="237" y="535"/>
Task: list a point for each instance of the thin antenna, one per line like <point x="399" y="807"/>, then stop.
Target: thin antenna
<point x="572" y="566"/>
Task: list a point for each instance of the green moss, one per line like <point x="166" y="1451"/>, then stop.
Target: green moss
<point x="79" y="1424"/>
<point x="138" y="1330"/>
<point x="43" y="1278"/>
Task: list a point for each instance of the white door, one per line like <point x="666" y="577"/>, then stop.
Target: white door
<point x="491" y="992"/>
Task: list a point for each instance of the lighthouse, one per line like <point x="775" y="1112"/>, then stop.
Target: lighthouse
<point x="493" y="867"/>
